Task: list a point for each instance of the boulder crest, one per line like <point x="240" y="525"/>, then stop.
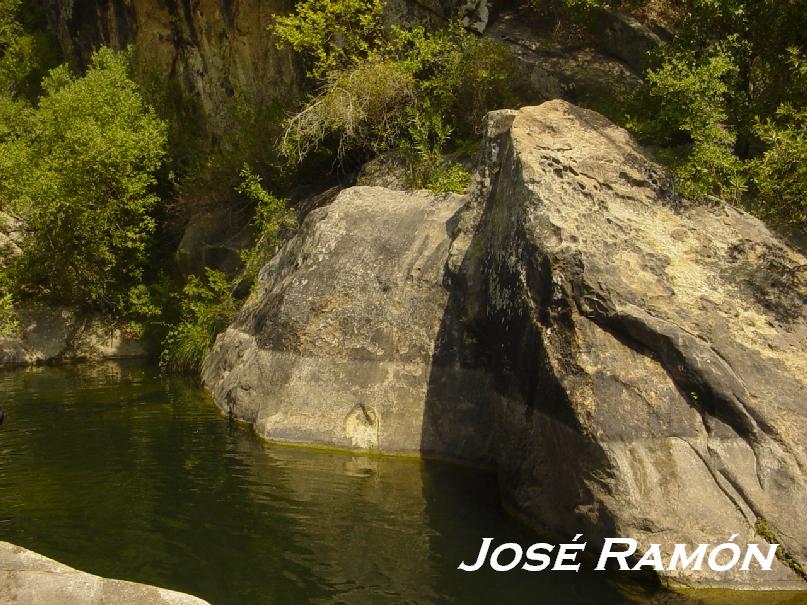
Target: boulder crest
<point x="632" y="363"/>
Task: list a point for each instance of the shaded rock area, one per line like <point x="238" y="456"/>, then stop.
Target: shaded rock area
<point x="28" y="578"/>
<point x="218" y="57"/>
<point x="62" y="334"/>
<point x="583" y="74"/>
<point x="625" y="38"/>
<point x="632" y="363"/>
<point x="215" y="238"/>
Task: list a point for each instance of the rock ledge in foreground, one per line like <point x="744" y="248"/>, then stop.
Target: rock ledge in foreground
<point x="28" y="578"/>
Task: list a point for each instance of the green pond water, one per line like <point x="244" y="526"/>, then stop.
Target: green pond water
<point x="116" y="470"/>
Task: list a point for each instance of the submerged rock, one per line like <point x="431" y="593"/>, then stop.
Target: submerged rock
<point x="633" y="363"/>
<point x="28" y="578"/>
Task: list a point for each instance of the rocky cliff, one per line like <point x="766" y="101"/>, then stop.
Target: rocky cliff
<point x="218" y="57"/>
<point x="218" y="61"/>
<point x="632" y="363"/>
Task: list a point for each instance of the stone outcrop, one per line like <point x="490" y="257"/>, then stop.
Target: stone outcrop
<point x="632" y="363"/>
<point x="28" y="578"/>
<point x="309" y="360"/>
<point x="663" y="342"/>
<point x="62" y="334"/>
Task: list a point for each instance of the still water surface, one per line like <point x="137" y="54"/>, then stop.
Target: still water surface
<point x="121" y="472"/>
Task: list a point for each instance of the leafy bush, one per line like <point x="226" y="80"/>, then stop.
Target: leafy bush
<point x="458" y="75"/>
<point x="373" y="90"/>
<point x="732" y="86"/>
<point x="273" y="219"/>
<point x="690" y="94"/>
<point x="333" y="34"/>
<point x="359" y="107"/>
<point x="208" y="305"/>
<point x="9" y="324"/>
<point x="81" y="179"/>
<point x="423" y="151"/>
<point x="780" y="173"/>
<point x="206" y="308"/>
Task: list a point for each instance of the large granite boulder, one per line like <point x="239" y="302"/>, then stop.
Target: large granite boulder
<point x="633" y="363"/>
<point x="336" y="346"/>
<point x="652" y="351"/>
<point x="28" y="578"/>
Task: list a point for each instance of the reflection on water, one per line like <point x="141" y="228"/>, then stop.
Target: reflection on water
<point x="115" y="470"/>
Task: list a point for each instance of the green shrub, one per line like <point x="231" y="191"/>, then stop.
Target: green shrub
<point x="273" y="219"/>
<point x="690" y="98"/>
<point x="332" y="34"/>
<point x="206" y="308"/>
<point x="9" y="324"/>
<point x="208" y="305"/>
<point x="360" y="107"/>
<point x="81" y="178"/>
<point x="18" y="50"/>
<point x="458" y="74"/>
<point x="780" y="173"/>
<point x="423" y="152"/>
<point x="731" y="88"/>
<point x="372" y="91"/>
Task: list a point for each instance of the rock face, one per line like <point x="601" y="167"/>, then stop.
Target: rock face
<point x="309" y="360"/>
<point x="634" y="364"/>
<point x="28" y="578"/>
<point x="50" y="334"/>
<point x="218" y="54"/>
<point x="663" y="342"/>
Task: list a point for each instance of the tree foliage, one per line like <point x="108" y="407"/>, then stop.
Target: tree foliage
<point x="333" y="34"/>
<point x="78" y="170"/>
<point x="732" y="86"/>
<point x="18" y="56"/>
<point x="206" y="307"/>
